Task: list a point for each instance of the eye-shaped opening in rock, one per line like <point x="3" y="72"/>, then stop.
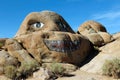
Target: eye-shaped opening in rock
<point x="35" y="25"/>
<point x="38" y="25"/>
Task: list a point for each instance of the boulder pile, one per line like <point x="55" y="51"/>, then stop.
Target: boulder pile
<point x="95" y="32"/>
<point x="45" y="38"/>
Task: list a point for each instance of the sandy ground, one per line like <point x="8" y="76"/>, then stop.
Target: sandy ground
<point x="81" y="75"/>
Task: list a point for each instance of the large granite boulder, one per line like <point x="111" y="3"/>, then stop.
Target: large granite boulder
<point x="96" y="33"/>
<point x="44" y="37"/>
<point x="47" y="37"/>
<point x="89" y="25"/>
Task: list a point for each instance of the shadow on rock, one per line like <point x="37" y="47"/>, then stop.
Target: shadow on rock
<point x="94" y="53"/>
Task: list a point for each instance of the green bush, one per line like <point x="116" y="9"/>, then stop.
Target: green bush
<point x="28" y="67"/>
<point x="112" y="68"/>
<point x="57" y="69"/>
<point x="10" y="71"/>
<point x="1" y="44"/>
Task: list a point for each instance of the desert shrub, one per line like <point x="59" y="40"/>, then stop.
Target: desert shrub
<point x="112" y="68"/>
<point x="21" y="72"/>
<point x="1" y="44"/>
<point x="27" y="68"/>
<point x="57" y="69"/>
<point x="10" y="71"/>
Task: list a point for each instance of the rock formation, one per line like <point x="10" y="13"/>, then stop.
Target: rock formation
<point x="95" y="32"/>
<point x="107" y="52"/>
<point x="44" y="37"/>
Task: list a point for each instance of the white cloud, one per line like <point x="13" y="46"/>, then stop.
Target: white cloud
<point x="108" y="15"/>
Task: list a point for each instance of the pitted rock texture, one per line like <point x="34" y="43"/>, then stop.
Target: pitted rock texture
<point x="92" y="25"/>
<point x="56" y="51"/>
<point x="45" y="37"/>
<point x="95" y="32"/>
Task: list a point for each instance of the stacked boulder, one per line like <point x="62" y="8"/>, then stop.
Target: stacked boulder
<point x="43" y="37"/>
<point x="108" y="52"/>
<point x="95" y="32"/>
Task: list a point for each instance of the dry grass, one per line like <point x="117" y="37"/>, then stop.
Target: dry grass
<point x="57" y="69"/>
<point x="112" y="68"/>
<point x="10" y="71"/>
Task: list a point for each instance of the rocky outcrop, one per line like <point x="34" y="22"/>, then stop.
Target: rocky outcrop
<point x="95" y="32"/>
<point x="2" y="43"/>
<point x="47" y="37"/>
<point x="6" y="60"/>
<point x="116" y="36"/>
<point x="44" y="37"/>
<point x="108" y="52"/>
<point x="92" y="26"/>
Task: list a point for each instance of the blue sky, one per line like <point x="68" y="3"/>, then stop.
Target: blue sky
<point x="75" y="12"/>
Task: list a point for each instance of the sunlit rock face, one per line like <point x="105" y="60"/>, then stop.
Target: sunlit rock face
<point x="95" y="32"/>
<point x="107" y="52"/>
<point x="43" y="21"/>
<point x="47" y="37"/>
<point x="43" y="37"/>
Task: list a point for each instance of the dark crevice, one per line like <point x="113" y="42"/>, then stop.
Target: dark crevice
<point x="31" y="55"/>
<point x="78" y="32"/>
<point x="22" y="46"/>
<point x="94" y="52"/>
<point x="68" y="75"/>
<point x="26" y="49"/>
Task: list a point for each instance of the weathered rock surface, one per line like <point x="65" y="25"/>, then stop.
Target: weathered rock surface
<point x="47" y="37"/>
<point x="116" y="36"/>
<point x="44" y="37"/>
<point x="2" y="42"/>
<point x="108" y="52"/>
<point x="5" y="60"/>
<point x="95" y="32"/>
<point x="92" y="25"/>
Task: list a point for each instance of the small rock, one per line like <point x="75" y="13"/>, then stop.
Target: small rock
<point x="42" y="74"/>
